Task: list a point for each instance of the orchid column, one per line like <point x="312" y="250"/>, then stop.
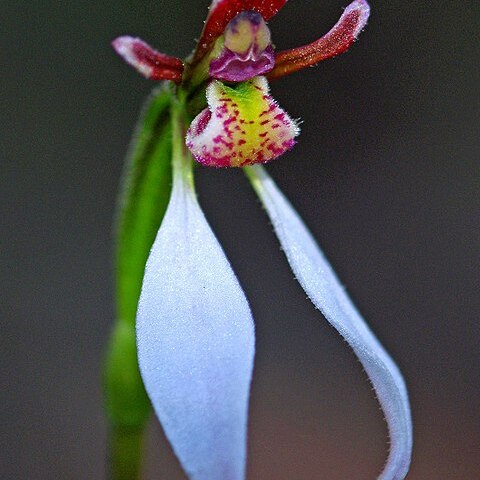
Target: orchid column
<point x="194" y="330"/>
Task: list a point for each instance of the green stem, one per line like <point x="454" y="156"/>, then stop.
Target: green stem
<point x="181" y="159"/>
<point x="252" y="175"/>
<point x="125" y="453"/>
<point x="126" y="403"/>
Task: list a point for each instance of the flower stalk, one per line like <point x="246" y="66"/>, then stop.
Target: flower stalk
<point x="126" y="447"/>
<point x="182" y="163"/>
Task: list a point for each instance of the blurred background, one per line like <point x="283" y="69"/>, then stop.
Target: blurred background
<point x="386" y="174"/>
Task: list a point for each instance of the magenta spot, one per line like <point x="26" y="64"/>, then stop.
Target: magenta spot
<point x="211" y="161"/>
<point x="288" y="144"/>
<point x="202" y="122"/>
<point x="275" y="150"/>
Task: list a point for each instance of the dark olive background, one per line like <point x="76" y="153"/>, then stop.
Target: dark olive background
<point x="386" y="173"/>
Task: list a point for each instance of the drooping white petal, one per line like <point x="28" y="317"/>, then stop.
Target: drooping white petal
<point x="195" y="340"/>
<point x="321" y="284"/>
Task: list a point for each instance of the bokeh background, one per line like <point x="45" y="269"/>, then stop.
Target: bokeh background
<point x="386" y="174"/>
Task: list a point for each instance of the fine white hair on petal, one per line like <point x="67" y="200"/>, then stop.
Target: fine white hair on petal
<point x="195" y="339"/>
<point x="321" y="284"/>
<point x="364" y="8"/>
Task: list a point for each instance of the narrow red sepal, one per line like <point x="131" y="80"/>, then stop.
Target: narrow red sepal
<point x="147" y="61"/>
<point x="222" y="11"/>
<point x="336" y="41"/>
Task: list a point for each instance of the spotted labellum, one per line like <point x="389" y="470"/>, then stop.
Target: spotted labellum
<point x="194" y="329"/>
<point x="242" y="125"/>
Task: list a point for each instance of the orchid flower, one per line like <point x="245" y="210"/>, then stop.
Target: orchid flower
<point x="194" y="329"/>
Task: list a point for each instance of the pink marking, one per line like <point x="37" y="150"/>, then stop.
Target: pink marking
<point x="228" y="121"/>
<point x="202" y="122"/>
<point x="229" y="133"/>
<point x="275" y="150"/>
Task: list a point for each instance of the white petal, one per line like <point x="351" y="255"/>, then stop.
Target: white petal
<point x="195" y="340"/>
<point x="319" y="281"/>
